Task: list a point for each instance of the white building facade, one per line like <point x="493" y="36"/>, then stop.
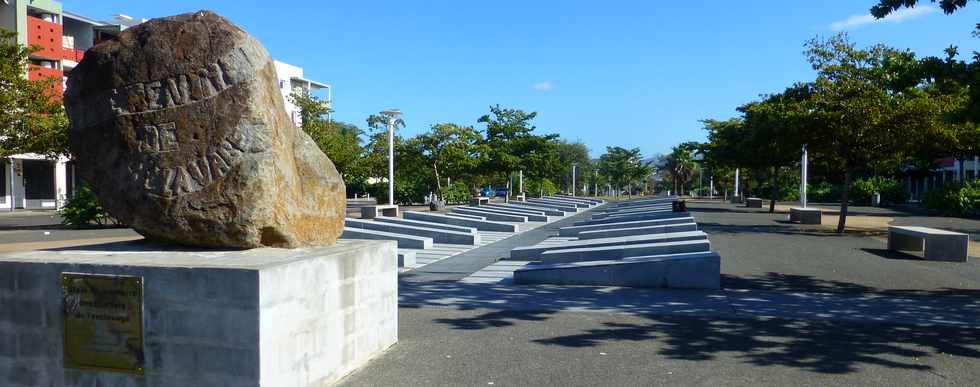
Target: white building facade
<point x="292" y="80"/>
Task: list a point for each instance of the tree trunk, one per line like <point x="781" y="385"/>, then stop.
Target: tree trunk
<point x="843" y="201"/>
<point x="435" y="169"/>
<point x="773" y="177"/>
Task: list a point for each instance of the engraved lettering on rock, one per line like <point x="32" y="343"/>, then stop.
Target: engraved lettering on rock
<point x="159" y="138"/>
<point x="176" y="91"/>
<point x="191" y="175"/>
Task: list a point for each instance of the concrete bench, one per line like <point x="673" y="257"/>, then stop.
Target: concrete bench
<point x="753" y="203"/>
<point x="371" y="212"/>
<point x="458" y="215"/>
<point x="530" y="253"/>
<point x="555" y="207"/>
<point x="632" y="217"/>
<point x="620" y="232"/>
<point x="681" y="271"/>
<point x="492" y="215"/>
<point x="420" y="223"/>
<point x="935" y="244"/>
<point x="479" y="201"/>
<point x="542" y="210"/>
<point x="482" y="225"/>
<point x="575" y="230"/>
<point x="805" y="215"/>
<point x="624" y="251"/>
<point x="437" y="235"/>
<point x="533" y="216"/>
<point x="558" y="203"/>
<point x="404" y="241"/>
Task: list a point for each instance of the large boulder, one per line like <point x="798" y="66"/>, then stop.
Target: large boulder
<point x="180" y="129"/>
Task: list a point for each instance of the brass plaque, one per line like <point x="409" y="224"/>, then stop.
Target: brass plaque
<point x="103" y="322"/>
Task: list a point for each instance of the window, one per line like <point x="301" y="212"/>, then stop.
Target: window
<point x="38" y="179"/>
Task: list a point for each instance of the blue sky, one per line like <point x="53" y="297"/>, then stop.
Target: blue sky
<point x="613" y="73"/>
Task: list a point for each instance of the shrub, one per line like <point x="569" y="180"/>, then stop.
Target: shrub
<point x="822" y="192"/>
<point x="83" y="209"/>
<point x="458" y="193"/>
<point x="540" y="187"/>
<point x="891" y="190"/>
<point x="953" y="200"/>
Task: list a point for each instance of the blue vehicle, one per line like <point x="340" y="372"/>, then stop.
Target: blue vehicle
<point x="486" y="192"/>
<point x="501" y="192"/>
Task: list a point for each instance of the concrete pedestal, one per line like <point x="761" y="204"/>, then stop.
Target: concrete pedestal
<point x="371" y="212"/>
<point x="753" y="203"/>
<point x="261" y="317"/>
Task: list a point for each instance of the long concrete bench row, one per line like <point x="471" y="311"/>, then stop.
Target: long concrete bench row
<point x="585" y="199"/>
<point x="490" y="215"/>
<point x="571" y="231"/>
<point x="643" y="216"/>
<point x="571" y="200"/>
<point x="482" y="225"/>
<point x="608" y="210"/>
<point x="422" y="223"/>
<point x="509" y="210"/>
<point x="404" y="241"/>
<point x="542" y="210"/>
<point x="531" y="215"/>
<point x="458" y="215"/>
<point x="623" y="251"/>
<point x="535" y="252"/>
<point x="643" y="202"/>
<point x="701" y="270"/>
<point x="557" y="202"/>
<point x="568" y="209"/>
<point x="437" y="235"/>
<point x="604" y="215"/>
<point x="628" y="231"/>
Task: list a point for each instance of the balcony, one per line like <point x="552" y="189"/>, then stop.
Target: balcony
<point x="47" y="36"/>
<point x="35" y="73"/>
<point x="72" y="54"/>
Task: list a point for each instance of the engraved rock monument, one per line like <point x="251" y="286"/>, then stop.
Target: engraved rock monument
<point x="181" y="131"/>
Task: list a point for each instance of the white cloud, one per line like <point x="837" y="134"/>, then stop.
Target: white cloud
<point x="544" y="86"/>
<point x="857" y="21"/>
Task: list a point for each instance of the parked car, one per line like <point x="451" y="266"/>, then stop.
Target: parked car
<point x="486" y="192"/>
<point x="501" y="192"/>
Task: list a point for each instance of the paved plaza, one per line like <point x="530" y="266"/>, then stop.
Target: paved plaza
<point x="798" y="305"/>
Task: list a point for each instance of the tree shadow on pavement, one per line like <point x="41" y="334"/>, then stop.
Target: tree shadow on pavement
<point x="818" y="346"/>
<point x="796" y="321"/>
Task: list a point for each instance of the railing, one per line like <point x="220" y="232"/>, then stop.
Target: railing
<point x="72" y="54"/>
<point x="46" y="35"/>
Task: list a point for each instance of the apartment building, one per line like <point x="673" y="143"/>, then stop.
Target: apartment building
<point x="30" y="181"/>
<point x="292" y="80"/>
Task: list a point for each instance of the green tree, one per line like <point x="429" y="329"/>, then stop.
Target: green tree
<point x="339" y="141"/>
<point x="857" y="119"/>
<point x="32" y="117"/>
<point x="885" y="7"/>
<point x="774" y="133"/>
<point x="623" y="167"/>
<point x="511" y="145"/>
<point x="450" y="150"/>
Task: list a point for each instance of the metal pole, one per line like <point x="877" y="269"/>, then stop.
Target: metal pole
<point x="596" y="190"/>
<point x="573" y="180"/>
<point x="711" y="188"/>
<point x="391" y="160"/>
<point x="803" y="177"/>
<point x="700" y="177"/>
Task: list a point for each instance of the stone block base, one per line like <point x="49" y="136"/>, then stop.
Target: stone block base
<point x="261" y="317"/>
<point x="805" y="215"/>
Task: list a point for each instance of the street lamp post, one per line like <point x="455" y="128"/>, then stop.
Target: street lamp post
<point x="392" y="118"/>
